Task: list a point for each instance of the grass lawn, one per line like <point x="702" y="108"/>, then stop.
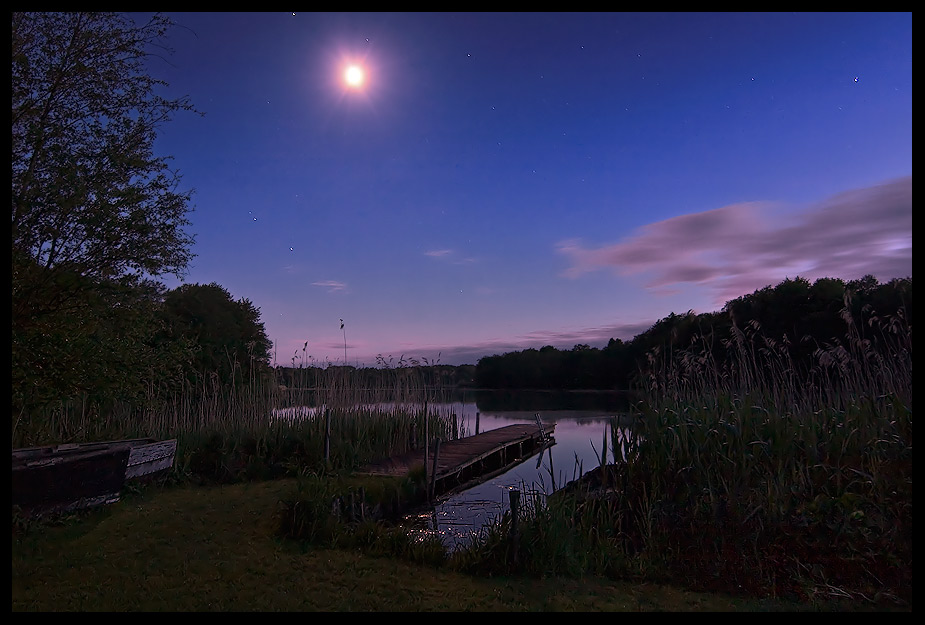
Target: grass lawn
<point x="213" y="549"/>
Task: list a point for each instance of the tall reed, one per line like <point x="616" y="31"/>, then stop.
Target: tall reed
<point x="755" y="475"/>
<point x="783" y="479"/>
<point x="260" y="429"/>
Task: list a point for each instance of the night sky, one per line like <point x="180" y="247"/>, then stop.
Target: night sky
<point x="503" y="181"/>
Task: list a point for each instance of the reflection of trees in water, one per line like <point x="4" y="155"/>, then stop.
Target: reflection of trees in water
<point x="527" y="400"/>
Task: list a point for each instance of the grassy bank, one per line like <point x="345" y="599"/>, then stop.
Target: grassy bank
<point x="205" y="548"/>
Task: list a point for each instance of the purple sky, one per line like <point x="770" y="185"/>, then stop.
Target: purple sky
<point x="504" y="181"/>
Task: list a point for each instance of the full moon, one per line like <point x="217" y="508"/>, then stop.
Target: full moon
<point x="353" y="76"/>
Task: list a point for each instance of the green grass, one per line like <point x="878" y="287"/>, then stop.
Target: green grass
<point x="215" y="548"/>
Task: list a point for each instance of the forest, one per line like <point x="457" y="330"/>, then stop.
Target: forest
<point x="808" y="319"/>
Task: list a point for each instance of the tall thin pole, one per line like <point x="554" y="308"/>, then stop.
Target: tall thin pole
<point x="426" y="441"/>
<point x="345" y="341"/>
<point x="433" y="471"/>
<point x="327" y="438"/>
<point x="515" y="522"/>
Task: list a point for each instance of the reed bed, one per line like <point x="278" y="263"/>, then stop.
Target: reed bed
<point x="748" y="475"/>
<point x="259" y="429"/>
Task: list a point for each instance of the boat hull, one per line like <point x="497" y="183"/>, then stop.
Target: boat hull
<point x="64" y="477"/>
<point x="77" y="480"/>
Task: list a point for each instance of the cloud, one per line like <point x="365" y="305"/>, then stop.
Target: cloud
<point x="438" y="253"/>
<point x="335" y="345"/>
<point x="560" y="339"/>
<point x="736" y="249"/>
<point x="332" y="286"/>
<point x="450" y="256"/>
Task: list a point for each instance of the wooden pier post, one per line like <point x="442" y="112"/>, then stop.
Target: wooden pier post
<point x="539" y="425"/>
<point x="604" y="449"/>
<point x="327" y="437"/>
<point x="552" y="472"/>
<point x="614" y="434"/>
<point x="477" y="422"/>
<point x="426" y="440"/>
<point x="433" y="472"/>
<point x="515" y="526"/>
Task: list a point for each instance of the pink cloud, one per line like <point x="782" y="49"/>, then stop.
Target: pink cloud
<point x="332" y="286"/>
<point x="736" y="249"/>
<point x="597" y="336"/>
<point x="438" y="253"/>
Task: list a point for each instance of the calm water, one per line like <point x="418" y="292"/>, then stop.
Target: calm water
<point x="580" y="420"/>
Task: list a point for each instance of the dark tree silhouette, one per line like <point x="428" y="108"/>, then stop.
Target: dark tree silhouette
<point x="96" y="215"/>
<point x="223" y="336"/>
<point x="795" y="313"/>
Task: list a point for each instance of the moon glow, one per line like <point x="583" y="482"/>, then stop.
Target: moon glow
<point x="354" y="76"/>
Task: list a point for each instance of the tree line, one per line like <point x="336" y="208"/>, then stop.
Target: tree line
<point x="419" y="373"/>
<point x="800" y="316"/>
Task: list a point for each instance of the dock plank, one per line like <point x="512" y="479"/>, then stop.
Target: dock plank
<point x="460" y="454"/>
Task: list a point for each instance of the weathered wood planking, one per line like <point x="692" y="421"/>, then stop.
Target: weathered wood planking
<point x="147" y="456"/>
<point x="77" y="475"/>
<point x="150" y="459"/>
<point x="26" y="454"/>
<point x="462" y="457"/>
<point x="69" y="481"/>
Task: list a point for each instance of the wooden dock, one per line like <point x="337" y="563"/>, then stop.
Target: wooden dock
<point x="471" y="459"/>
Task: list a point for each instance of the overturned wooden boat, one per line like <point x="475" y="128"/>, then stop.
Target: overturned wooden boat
<point x="64" y="477"/>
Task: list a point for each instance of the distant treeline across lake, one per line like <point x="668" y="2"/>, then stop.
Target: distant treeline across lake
<point x="805" y="321"/>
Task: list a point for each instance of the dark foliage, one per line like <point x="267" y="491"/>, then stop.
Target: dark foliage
<point x="803" y="316"/>
<point x="224" y="336"/>
<point x="97" y="217"/>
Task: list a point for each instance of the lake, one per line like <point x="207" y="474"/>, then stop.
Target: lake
<point x="581" y="420"/>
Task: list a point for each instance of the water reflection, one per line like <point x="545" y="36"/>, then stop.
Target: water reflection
<point x="583" y="423"/>
<point x="582" y="440"/>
